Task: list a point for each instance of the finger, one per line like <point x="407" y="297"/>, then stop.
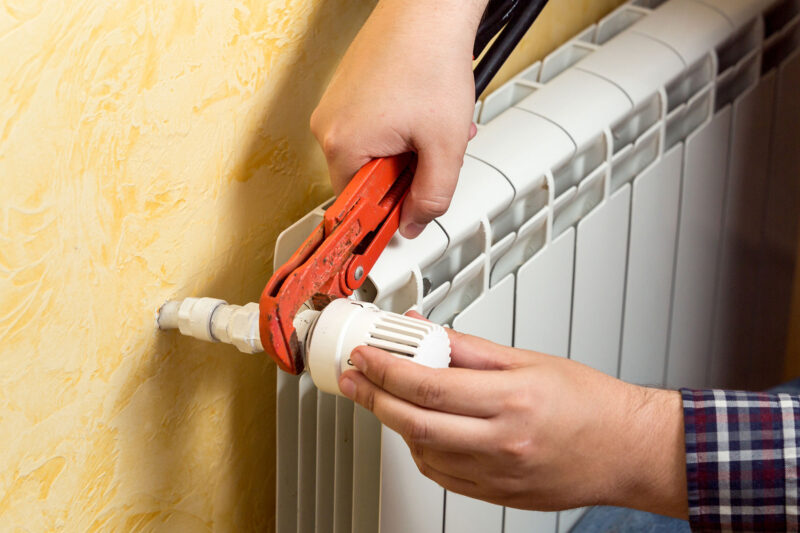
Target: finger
<point x="418" y="426"/>
<point x="431" y="190"/>
<point x="343" y="161"/>
<point x="473" y="131"/>
<point x="414" y="314"/>
<point x="451" y="483"/>
<point x="342" y="166"/>
<point x="459" y="465"/>
<point x="347" y="150"/>
<point x="468" y="351"/>
<point x="457" y="391"/>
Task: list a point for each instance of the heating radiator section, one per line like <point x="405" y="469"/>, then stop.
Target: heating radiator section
<point x="629" y="202"/>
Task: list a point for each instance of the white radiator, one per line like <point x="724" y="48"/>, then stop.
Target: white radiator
<point x="630" y="202"/>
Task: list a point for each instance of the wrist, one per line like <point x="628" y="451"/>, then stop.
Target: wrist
<point x="651" y="471"/>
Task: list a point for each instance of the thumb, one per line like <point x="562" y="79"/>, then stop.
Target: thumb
<point x="431" y="190"/>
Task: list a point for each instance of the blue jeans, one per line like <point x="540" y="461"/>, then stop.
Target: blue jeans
<point x="621" y="520"/>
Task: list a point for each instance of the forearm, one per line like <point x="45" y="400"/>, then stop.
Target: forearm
<point x="425" y="14"/>
<point x="650" y="458"/>
<point x="437" y="27"/>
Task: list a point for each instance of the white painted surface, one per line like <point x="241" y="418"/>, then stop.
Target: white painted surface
<point x="481" y="191"/>
<point x="409" y="500"/>
<point x="366" y="471"/>
<point x="343" y="468"/>
<point x="686" y="26"/>
<point x="780" y="223"/>
<point x="491" y="317"/>
<point x="286" y="418"/>
<point x="467" y="515"/>
<point x="326" y="457"/>
<point x="600" y="258"/>
<point x="567" y="519"/>
<point x="737" y="289"/>
<point x="520" y="521"/>
<point x="306" y="455"/>
<point x="544" y="298"/>
<point x="648" y="294"/>
<point x="580" y="117"/>
<point x="522" y="146"/>
<point x="636" y="63"/>
<point x="702" y="197"/>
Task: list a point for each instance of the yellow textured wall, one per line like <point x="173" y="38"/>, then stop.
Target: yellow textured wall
<point x="153" y="149"/>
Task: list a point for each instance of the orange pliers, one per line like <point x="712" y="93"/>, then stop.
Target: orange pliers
<point x="336" y="258"/>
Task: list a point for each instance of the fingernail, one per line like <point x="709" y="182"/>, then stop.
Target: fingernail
<point x="358" y="360"/>
<point x="348" y="387"/>
<point x="411" y="230"/>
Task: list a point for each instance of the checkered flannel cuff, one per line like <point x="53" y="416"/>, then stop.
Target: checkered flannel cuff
<point x="742" y="460"/>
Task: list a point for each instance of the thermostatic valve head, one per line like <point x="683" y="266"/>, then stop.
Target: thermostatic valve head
<point x="345" y="324"/>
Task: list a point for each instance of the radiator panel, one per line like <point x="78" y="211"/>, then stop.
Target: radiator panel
<point x="737" y="289"/>
<point x="325" y="462"/>
<point x="519" y="521"/>
<point x="468" y="515"/>
<point x="599" y="284"/>
<point x="780" y="223"/>
<point x="703" y="193"/>
<point x="404" y="488"/>
<point x="343" y="467"/>
<point x="623" y="202"/>
<point x="306" y="455"/>
<point x="491" y="317"/>
<point x="286" y="417"/>
<point x="367" y="469"/>
<point x="567" y="519"/>
<point x="654" y="227"/>
<point x="544" y="298"/>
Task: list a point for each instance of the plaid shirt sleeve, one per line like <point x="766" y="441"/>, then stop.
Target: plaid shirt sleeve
<point x="742" y="460"/>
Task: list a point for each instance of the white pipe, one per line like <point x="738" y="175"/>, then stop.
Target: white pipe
<point x="326" y="338"/>
<point x="211" y="319"/>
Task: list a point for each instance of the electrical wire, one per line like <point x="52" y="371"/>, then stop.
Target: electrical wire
<point x="519" y="18"/>
<point x="497" y="14"/>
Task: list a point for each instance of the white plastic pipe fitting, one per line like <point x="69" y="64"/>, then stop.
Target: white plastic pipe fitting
<point x="211" y="319"/>
<point x="326" y="337"/>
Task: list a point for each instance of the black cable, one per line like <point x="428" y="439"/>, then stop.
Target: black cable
<point x="496" y="15"/>
<point x="518" y="24"/>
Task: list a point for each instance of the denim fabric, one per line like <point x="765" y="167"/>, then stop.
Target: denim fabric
<point x="620" y="520"/>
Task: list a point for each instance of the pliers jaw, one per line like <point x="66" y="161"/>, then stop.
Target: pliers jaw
<point x="336" y="258"/>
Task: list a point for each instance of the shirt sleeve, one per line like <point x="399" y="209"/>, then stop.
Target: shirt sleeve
<point x="742" y="460"/>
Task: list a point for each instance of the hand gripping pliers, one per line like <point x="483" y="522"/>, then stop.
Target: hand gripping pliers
<point x="335" y="259"/>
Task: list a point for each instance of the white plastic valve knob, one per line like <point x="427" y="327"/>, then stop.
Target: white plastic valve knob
<point x="345" y="324"/>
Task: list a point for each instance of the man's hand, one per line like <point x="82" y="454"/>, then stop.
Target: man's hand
<point x="527" y="430"/>
<point x="405" y="84"/>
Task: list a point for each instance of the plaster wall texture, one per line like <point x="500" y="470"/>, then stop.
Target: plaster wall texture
<point x="150" y="150"/>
